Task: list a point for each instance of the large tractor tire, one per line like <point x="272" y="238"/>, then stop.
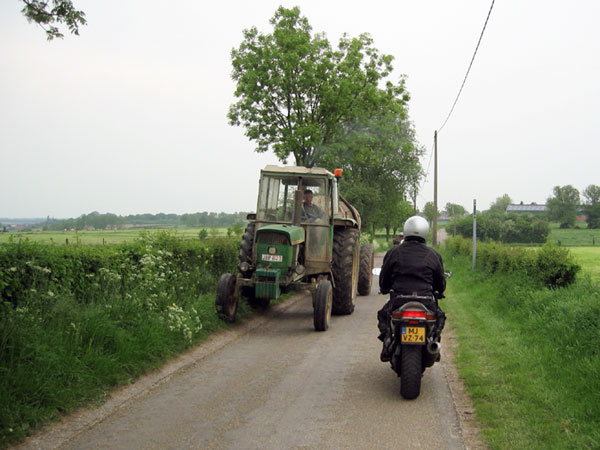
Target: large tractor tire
<point x="245" y="252"/>
<point x="226" y="302"/>
<point x="245" y="255"/>
<point x="411" y="371"/>
<point x="365" y="272"/>
<point x="323" y="302"/>
<point x="345" y="269"/>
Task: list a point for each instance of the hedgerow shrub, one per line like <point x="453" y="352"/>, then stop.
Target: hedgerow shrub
<point x="92" y="317"/>
<point x="550" y="265"/>
<point x="90" y="273"/>
<point x="508" y="228"/>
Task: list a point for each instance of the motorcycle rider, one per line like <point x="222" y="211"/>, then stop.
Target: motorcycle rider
<point x="410" y="268"/>
<point x="399" y="239"/>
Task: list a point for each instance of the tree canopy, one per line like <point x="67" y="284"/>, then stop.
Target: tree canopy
<point x="49" y="16"/>
<point x="592" y="205"/>
<point x="507" y="228"/>
<point x="500" y="205"/>
<point x="429" y="211"/>
<point x="296" y="94"/>
<point x="563" y="206"/>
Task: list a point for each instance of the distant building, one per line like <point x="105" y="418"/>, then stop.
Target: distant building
<point x="532" y="208"/>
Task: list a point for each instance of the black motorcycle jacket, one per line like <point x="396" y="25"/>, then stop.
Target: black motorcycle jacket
<point x="412" y="267"/>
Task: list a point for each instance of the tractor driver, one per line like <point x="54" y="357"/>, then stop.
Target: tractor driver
<point x="310" y="212"/>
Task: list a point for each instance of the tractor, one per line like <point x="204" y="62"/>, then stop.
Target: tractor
<point x="294" y="243"/>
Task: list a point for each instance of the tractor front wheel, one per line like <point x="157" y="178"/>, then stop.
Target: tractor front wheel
<point x="323" y="301"/>
<point x="227" y="301"/>
<point x="245" y="252"/>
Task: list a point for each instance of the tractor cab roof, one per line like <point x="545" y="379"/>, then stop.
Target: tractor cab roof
<point x="298" y="170"/>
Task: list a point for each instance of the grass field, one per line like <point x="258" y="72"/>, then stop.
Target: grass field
<point x="574" y="237"/>
<point x="589" y="259"/>
<point x="100" y="236"/>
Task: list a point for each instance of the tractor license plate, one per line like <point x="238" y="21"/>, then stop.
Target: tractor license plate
<point x="272" y="258"/>
<point x="413" y="335"/>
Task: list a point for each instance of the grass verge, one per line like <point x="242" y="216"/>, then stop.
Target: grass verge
<point x="530" y="357"/>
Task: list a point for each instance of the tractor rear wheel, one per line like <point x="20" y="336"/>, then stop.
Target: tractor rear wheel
<point x="345" y="269"/>
<point x="323" y="301"/>
<point x="227" y="302"/>
<point x="365" y="273"/>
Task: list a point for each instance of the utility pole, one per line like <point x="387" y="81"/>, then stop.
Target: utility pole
<point x="435" y="179"/>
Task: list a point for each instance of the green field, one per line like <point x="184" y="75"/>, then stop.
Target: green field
<point x="100" y="236"/>
<point x="570" y="237"/>
<point x="589" y="259"/>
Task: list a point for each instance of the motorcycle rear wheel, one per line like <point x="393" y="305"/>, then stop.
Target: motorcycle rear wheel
<point x="410" y="371"/>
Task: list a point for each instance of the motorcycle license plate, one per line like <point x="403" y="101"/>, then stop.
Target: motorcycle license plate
<point x="413" y="335"/>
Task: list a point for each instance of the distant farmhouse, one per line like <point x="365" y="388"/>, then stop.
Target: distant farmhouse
<point x="532" y="208"/>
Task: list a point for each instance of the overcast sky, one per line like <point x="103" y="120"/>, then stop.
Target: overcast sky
<point x="130" y="117"/>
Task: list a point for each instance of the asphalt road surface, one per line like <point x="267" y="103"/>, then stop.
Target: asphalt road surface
<point x="275" y="383"/>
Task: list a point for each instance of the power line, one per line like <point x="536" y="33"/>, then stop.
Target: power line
<point x="469" y="69"/>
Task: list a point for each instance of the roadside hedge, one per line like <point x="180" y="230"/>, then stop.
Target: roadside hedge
<point x="93" y="317"/>
<point x="89" y="273"/>
<point x="509" y="228"/>
<point x="548" y="265"/>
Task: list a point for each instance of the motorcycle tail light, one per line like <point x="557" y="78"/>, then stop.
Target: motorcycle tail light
<point x="430" y="316"/>
<point x="413" y="314"/>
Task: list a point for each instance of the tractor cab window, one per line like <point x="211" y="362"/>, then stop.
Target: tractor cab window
<point x="315" y="205"/>
<point x="277" y="195"/>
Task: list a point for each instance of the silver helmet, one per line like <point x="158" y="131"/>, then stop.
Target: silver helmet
<point x="416" y="226"/>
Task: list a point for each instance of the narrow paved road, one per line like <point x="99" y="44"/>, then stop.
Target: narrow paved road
<point x="281" y="385"/>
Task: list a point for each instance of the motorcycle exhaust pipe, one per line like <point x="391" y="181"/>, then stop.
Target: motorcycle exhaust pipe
<point x="434" y="347"/>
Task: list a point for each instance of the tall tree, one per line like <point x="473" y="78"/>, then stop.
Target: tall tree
<point x="393" y="216"/>
<point x="456" y="212"/>
<point x="564" y="205"/>
<point x="329" y="107"/>
<point x="379" y="158"/>
<point x="592" y="194"/>
<point x="50" y="14"/>
<point x="500" y="205"/>
<point x="429" y="211"/>
<point x="297" y="95"/>
<point x="592" y="205"/>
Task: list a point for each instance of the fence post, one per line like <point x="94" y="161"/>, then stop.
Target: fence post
<point x="474" y="232"/>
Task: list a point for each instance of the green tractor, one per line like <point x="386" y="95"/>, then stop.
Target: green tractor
<point x="304" y="235"/>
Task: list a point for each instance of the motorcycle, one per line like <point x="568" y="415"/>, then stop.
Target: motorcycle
<point x="414" y="344"/>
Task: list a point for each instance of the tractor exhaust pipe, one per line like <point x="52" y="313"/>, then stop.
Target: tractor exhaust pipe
<point x="434" y="347"/>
